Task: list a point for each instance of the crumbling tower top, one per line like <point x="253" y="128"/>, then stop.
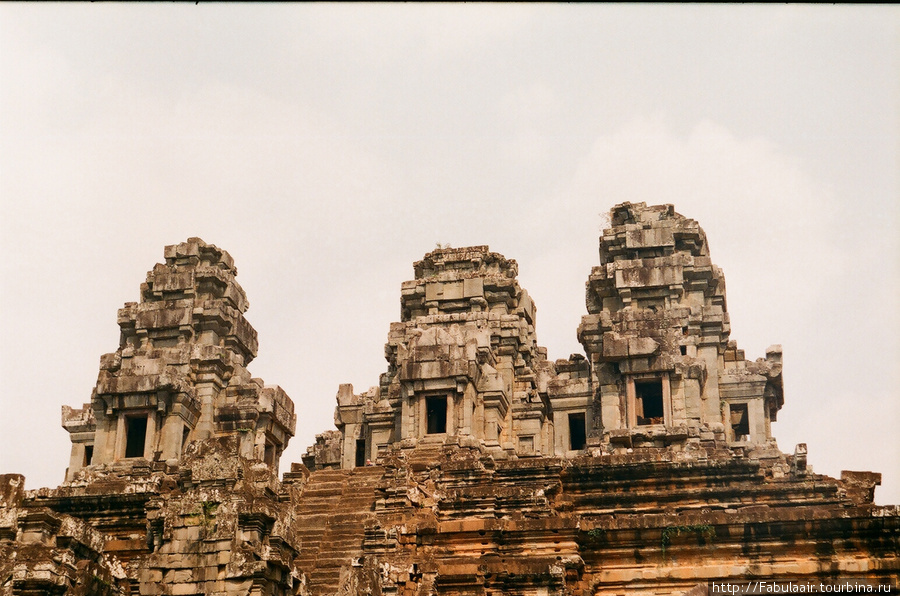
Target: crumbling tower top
<point x="455" y="280"/>
<point x="639" y="231"/>
<point x="467" y="260"/>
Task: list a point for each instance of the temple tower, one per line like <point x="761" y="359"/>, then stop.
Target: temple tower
<point x="657" y="336"/>
<point x="180" y="373"/>
<point x="462" y="367"/>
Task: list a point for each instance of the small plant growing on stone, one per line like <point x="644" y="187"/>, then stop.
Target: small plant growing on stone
<point x="208" y="515"/>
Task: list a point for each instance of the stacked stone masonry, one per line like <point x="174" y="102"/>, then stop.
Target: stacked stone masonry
<point x="476" y="465"/>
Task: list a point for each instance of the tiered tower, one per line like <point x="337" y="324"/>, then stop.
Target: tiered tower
<point x="657" y="336"/>
<point x="180" y="373"/>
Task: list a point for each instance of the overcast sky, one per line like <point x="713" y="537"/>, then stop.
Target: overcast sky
<point x="329" y="147"/>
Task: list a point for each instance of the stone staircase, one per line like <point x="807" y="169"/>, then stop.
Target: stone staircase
<point x="331" y="522"/>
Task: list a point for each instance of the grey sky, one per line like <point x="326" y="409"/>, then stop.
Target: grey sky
<point x="327" y="147"/>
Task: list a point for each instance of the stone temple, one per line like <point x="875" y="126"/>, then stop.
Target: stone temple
<point x="475" y="466"/>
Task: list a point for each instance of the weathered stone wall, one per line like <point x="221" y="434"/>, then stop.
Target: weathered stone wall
<point x="453" y="520"/>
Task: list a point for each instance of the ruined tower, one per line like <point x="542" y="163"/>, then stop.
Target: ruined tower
<point x="464" y="364"/>
<point x="657" y="336"/>
<point x="180" y="373"/>
<point x="172" y="483"/>
<point x="461" y="366"/>
<point x="475" y="466"/>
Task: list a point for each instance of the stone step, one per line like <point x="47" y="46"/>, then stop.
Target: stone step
<point x="331" y="523"/>
<point x="323" y="489"/>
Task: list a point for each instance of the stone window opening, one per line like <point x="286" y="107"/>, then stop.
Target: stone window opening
<point x="652" y="304"/>
<point x="88" y="454"/>
<point x="185" y="431"/>
<point x="269" y="454"/>
<point x="526" y="444"/>
<point x="577" y="431"/>
<point x="436" y="414"/>
<point x="740" y="422"/>
<point x="649" y="402"/>
<point x="360" y="453"/>
<point x="135" y="436"/>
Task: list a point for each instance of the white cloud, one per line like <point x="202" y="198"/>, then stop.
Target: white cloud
<point x="529" y="114"/>
<point x="436" y="29"/>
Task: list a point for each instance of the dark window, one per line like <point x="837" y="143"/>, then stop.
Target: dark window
<point x="649" y="402"/>
<point x="577" y="431"/>
<point x="740" y="422"/>
<point x="185" y="431"/>
<point x="88" y="454"/>
<point x="683" y="350"/>
<point x="436" y="412"/>
<point x="269" y="454"/>
<point x="136" y="434"/>
<point x="360" y="453"/>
